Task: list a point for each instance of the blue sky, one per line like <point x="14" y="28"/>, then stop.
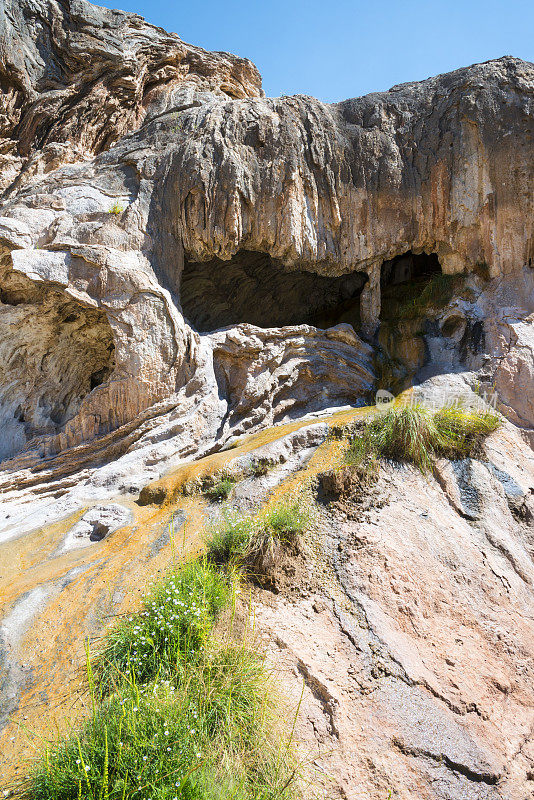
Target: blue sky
<point x="339" y="49"/>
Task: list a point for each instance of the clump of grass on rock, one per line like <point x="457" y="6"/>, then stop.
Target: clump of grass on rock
<point x="240" y="539"/>
<point x="417" y="435"/>
<point x="221" y="489"/>
<point x="230" y="538"/>
<point x="216" y="485"/>
<point x="177" y="711"/>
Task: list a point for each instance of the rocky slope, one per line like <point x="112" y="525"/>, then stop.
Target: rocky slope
<point x="182" y="262"/>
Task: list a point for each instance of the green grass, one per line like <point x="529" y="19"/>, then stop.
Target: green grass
<point x="174" y="625"/>
<point x="237" y="539"/>
<point x="417" y="435"/>
<point x="221" y="489"/>
<point x="463" y="431"/>
<point x="229" y="539"/>
<point x="286" y="520"/>
<point x="177" y="711"/>
<point x="116" y="209"/>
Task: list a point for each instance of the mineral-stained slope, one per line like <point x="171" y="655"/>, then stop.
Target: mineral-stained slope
<point x="184" y="261"/>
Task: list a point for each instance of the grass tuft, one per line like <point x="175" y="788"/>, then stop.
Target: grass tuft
<point x="116" y="209"/>
<point x="229" y="539"/>
<point x="285" y="521"/>
<point x="463" y="431"/>
<point x="221" y="489"/>
<point x="238" y="539"/>
<point x="177" y="712"/>
<point x="417" y="435"/>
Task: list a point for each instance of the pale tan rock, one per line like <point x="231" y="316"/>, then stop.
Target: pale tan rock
<point x="413" y="656"/>
<point x="183" y="261"/>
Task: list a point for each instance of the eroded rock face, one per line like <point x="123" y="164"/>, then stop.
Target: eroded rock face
<point x="110" y="68"/>
<point x="153" y="196"/>
<point x="413" y="677"/>
<point x="55" y="351"/>
<point x="424" y="166"/>
<point x="269" y="375"/>
<point x="183" y="261"/>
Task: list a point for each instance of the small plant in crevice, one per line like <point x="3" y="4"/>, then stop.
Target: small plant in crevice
<point x="216" y="484"/>
<point x="221" y="488"/>
<point x="116" y="209"/>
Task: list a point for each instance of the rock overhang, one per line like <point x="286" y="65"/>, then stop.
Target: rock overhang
<point x="332" y="191"/>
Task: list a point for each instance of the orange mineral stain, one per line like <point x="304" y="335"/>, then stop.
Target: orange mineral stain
<point x="81" y="592"/>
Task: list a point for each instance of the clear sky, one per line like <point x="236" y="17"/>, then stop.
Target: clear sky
<point x="335" y="49"/>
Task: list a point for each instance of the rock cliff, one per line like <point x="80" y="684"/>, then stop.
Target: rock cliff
<point x="151" y="186"/>
<point x="184" y="261"/>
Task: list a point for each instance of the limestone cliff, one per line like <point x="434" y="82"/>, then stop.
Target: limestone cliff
<point x="144" y="176"/>
<point x="184" y="261"/>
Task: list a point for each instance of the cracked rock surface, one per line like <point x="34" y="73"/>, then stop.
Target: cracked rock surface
<point x="412" y="641"/>
<point x="185" y="263"/>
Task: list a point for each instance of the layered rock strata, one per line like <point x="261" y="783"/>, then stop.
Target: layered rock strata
<point x="130" y="158"/>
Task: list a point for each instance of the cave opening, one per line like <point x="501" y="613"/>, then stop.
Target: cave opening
<point x="404" y="281"/>
<point x="409" y="268"/>
<point x="255" y="288"/>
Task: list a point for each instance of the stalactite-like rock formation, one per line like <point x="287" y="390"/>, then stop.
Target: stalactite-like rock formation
<point x="184" y="261"/>
<point x="150" y="185"/>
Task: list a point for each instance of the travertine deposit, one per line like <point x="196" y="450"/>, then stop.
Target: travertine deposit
<point x="132" y="159"/>
<point x="184" y="262"/>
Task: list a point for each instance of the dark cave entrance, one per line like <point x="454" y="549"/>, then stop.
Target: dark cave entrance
<point x="409" y="268"/>
<point x="255" y="288"/>
<point x="414" y="291"/>
<point x="404" y="281"/>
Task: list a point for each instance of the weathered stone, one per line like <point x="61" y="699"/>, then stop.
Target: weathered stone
<point x="183" y="261"/>
<point x="95" y="524"/>
<point x="152" y="495"/>
<point x="185" y="173"/>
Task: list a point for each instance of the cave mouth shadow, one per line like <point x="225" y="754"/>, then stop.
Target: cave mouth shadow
<point x="409" y="268"/>
<point x="403" y="280"/>
<point x="254" y="288"/>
